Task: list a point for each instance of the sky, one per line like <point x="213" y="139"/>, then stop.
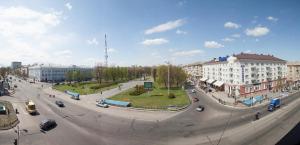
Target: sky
<point x="146" y="32"/>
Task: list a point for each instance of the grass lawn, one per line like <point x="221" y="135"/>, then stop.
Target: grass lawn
<point x="10" y="120"/>
<point x="156" y="99"/>
<point x="84" y="88"/>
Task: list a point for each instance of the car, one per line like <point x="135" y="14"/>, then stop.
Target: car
<point x="100" y="104"/>
<point x="59" y="103"/>
<point x="19" y="80"/>
<point x="193" y="91"/>
<point x="195" y="99"/>
<point x="200" y="108"/>
<point x="47" y="124"/>
<point x="15" y="86"/>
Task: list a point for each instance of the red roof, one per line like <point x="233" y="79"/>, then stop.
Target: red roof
<point x="257" y="57"/>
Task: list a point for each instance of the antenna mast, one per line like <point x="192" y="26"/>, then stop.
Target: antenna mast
<point x="106" y="55"/>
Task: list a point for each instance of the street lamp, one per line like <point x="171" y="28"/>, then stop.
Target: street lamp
<point x="167" y="62"/>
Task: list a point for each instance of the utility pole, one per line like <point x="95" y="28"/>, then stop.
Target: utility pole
<point x="167" y="62"/>
<point x="106" y="55"/>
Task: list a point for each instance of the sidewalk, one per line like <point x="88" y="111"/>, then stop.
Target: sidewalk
<point x="89" y="102"/>
<point x="222" y="98"/>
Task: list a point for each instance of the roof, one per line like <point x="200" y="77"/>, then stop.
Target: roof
<point x="268" y="57"/>
<point x="293" y="63"/>
<point x="195" y="63"/>
<point x="249" y="56"/>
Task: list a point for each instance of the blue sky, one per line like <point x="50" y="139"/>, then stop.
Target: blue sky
<point x="146" y="32"/>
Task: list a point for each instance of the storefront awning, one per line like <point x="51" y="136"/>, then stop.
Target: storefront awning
<point x="218" y="83"/>
<point x="210" y="81"/>
<point x="203" y="79"/>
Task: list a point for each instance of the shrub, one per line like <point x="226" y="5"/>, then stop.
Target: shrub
<point x="138" y="90"/>
<point x="96" y="87"/>
<point x="171" y="96"/>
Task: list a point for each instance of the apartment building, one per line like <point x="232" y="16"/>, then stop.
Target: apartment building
<point x="49" y="73"/>
<point x="194" y="70"/>
<point x="16" y="64"/>
<point x="293" y="71"/>
<point x="244" y="73"/>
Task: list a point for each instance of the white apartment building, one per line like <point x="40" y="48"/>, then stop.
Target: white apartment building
<point x="293" y="71"/>
<point x="243" y="74"/>
<point x="49" y="73"/>
<point x="194" y="70"/>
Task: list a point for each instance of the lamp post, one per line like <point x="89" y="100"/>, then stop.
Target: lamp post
<point x="167" y="62"/>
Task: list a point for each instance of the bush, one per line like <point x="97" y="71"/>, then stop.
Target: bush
<point x="96" y="87"/>
<point x="171" y="96"/>
<point x="138" y="90"/>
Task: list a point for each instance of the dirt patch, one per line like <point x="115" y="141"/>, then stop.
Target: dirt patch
<point x="10" y="119"/>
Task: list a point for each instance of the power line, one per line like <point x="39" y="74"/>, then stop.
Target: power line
<point x="227" y="124"/>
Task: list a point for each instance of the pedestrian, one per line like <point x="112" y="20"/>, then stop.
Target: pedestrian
<point x="101" y="92"/>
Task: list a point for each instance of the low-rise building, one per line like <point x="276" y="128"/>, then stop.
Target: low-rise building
<point x="293" y="71"/>
<point x="244" y="73"/>
<point x="52" y="73"/>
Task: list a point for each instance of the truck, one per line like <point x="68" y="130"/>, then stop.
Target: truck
<point x="275" y="103"/>
<point x="30" y="107"/>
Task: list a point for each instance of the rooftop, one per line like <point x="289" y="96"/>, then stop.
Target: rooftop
<point x="293" y="63"/>
<point x="247" y="56"/>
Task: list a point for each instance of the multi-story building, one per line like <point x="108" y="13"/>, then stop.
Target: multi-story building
<point x="243" y="74"/>
<point x="194" y="70"/>
<point x="293" y="71"/>
<point x="16" y="64"/>
<point x="50" y="73"/>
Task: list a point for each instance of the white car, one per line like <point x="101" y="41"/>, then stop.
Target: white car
<point x="193" y="91"/>
<point x="100" y="104"/>
<point x="200" y="108"/>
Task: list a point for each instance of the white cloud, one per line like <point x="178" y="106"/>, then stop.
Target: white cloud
<point x="231" y="25"/>
<point x="236" y="35"/>
<point x="68" y="6"/>
<point x="157" y="41"/>
<point x="181" y="3"/>
<point x="29" y="35"/>
<point x="64" y="53"/>
<point x="92" y="41"/>
<point x="257" y="31"/>
<point x="247" y="51"/>
<point x="228" y="39"/>
<point x="111" y="50"/>
<point x="212" y="44"/>
<point x="16" y="21"/>
<point x="180" y="32"/>
<point x="273" y="19"/>
<point x="166" y="26"/>
<point x="188" y="52"/>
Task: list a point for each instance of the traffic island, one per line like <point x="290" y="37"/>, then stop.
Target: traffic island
<point x="8" y="117"/>
<point x="155" y="99"/>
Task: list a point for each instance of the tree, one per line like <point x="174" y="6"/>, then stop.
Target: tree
<point x="69" y="76"/>
<point x="177" y="75"/>
<point x="99" y="73"/>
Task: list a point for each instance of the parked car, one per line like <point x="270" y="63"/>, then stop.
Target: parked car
<point x="48" y="124"/>
<point x="100" y="104"/>
<point x="15" y="86"/>
<point x="195" y="99"/>
<point x="200" y="108"/>
<point x="59" y="103"/>
<point x="193" y="91"/>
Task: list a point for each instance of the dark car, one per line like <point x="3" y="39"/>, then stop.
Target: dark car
<point x="59" y="103"/>
<point x="15" y="86"/>
<point x="48" y="124"/>
<point x="195" y="99"/>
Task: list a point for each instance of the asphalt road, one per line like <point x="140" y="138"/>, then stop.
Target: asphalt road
<point x="81" y="126"/>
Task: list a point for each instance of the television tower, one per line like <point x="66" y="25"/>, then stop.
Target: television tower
<point x="106" y="55"/>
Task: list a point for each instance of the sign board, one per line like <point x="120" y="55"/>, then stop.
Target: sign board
<point x="148" y="85"/>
